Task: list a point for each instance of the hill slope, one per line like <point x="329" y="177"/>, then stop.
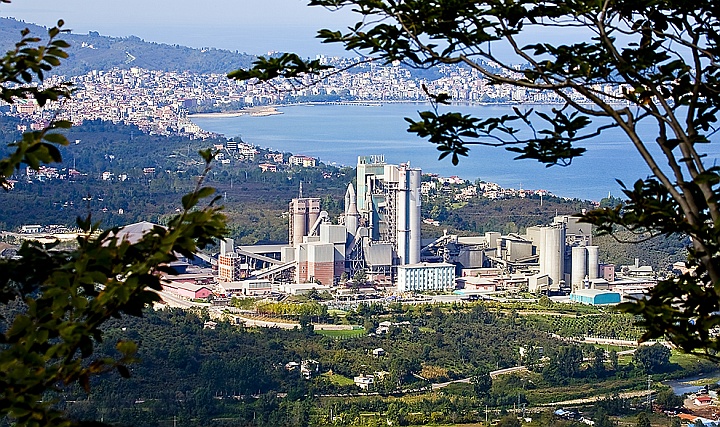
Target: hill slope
<point x="96" y="52"/>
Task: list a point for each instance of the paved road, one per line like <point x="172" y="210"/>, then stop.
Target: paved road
<point x="173" y="300"/>
<point x="596" y="398"/>
<point x="493" y="374"/>
<point x="248" y="321"/>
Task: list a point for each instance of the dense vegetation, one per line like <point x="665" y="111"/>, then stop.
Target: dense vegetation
<point x="511" y="215"/>
<point x="254" y="201"/>
<point x="233" y="375"/>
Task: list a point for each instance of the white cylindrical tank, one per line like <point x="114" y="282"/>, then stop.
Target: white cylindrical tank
<point x="593" y="263"/>
<point x="578" y="272"/>
<point x="554" y="253"/>
<point x="402" y="217"/>
<point x="415" y="218"/>
<point x="491" y="238"/>
<point x="227" y="246"/>
<point x="542" y="252"/>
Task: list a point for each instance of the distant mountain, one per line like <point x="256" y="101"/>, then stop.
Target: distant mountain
<point x="96" y="52"/>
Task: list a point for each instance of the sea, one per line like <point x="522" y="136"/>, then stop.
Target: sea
<point x="338" y="134"/>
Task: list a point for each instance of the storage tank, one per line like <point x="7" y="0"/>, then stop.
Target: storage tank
<point x="491" y="239"/>
<point x="415" y="218"/>
<point x="593" y="264"/>
<point x="313" y="212"/>
<point x="402" y="218"/>
<point x="554" y="248"/>
<point x="298" y="217"/>
<point x="539" y="239"/>
<point x="227" y="246"/>
<point x="579" y="269"/>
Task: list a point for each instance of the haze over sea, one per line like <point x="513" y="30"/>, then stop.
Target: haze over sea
<point x="338" y="134"/>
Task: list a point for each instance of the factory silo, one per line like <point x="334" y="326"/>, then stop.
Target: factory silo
<point x="579" y="269"/>
<point x="593" y="263"/>
<point x="491" y="239"/>
<point x="408" y="215"/>
<point x="554" y="248"/>
<point x="402" y="217"/>
<point x="313" y="212"/>
<point x="298" y="219"/>
<point x="415" y="217"/>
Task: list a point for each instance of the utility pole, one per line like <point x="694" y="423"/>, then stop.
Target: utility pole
<point x="649" y="395"/>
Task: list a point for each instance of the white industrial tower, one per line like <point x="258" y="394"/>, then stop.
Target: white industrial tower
<point x="388" y="200"/>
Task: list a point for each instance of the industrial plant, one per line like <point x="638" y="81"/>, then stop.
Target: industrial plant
<point x="378" y="237"/>
<point x="378" y="232"/>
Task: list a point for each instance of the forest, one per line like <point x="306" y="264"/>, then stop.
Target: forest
<point x="230" y="375"/>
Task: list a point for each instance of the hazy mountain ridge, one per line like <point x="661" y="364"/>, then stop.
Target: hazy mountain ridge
<point x="97" y="52"/>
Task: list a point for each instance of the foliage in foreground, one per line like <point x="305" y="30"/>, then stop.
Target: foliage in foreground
<point x="61" y="298"/>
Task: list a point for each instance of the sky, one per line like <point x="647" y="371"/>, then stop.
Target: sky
<point x="251" y="26"/>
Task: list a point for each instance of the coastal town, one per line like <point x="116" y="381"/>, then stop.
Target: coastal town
<point x="162" y="103"/>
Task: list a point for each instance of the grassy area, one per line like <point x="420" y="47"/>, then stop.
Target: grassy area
<point x="579" y="391"/>
<point x="617" y="348"/>
<point x="426" y="330"/>
<point x="683" y="359"/>
<point x="338" y="379"/>
<point x="345" y="333"/>
<point x="336" y="312"/>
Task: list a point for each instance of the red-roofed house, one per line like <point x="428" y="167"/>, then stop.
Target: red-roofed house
<point x="703" y="400"/>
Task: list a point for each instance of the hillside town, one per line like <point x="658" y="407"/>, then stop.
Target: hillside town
<point x="161" y="102"/>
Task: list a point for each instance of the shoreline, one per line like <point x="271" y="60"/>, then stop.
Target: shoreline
<point x="272" y="109"/>
<point x="253" y="112"/>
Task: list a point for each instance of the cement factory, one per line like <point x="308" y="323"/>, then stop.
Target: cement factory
<point x="379" y="235"/>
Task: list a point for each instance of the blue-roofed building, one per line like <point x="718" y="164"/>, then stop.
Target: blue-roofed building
<point x="595" y="297"/>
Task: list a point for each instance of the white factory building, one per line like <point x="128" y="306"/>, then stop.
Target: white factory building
<point x="425" y="277"/>
<point x="388" y="199"/>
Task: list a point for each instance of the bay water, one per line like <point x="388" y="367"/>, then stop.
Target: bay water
<point x="338" y="134"/>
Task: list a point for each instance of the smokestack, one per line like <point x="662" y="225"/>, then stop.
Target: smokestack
<point x="351" y="212"/>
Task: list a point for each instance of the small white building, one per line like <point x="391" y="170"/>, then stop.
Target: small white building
<point x="302" y="288"/>
<point x="31" y="229"/>
<point x="250" y="287"/>
<point x="426" y="277"/>
<point x="365" y="382"/>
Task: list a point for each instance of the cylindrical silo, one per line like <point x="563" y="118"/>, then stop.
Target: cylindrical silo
<point x="491" y="238"/>
<point x="313" y="212"/>
<point x="593" y="263"/>
<point x="555" y="251"/>
<point x="578" y="272"/>
<point x="415" y="218"/>
<point x="402" y="218"/>
<point x="298" y="227"/>
<point x="542" y="252"/>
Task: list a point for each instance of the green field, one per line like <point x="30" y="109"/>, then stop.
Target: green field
<point x="336" y="312"/>
<point x="338" y="379"/>
<point x="345" y="333"/>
